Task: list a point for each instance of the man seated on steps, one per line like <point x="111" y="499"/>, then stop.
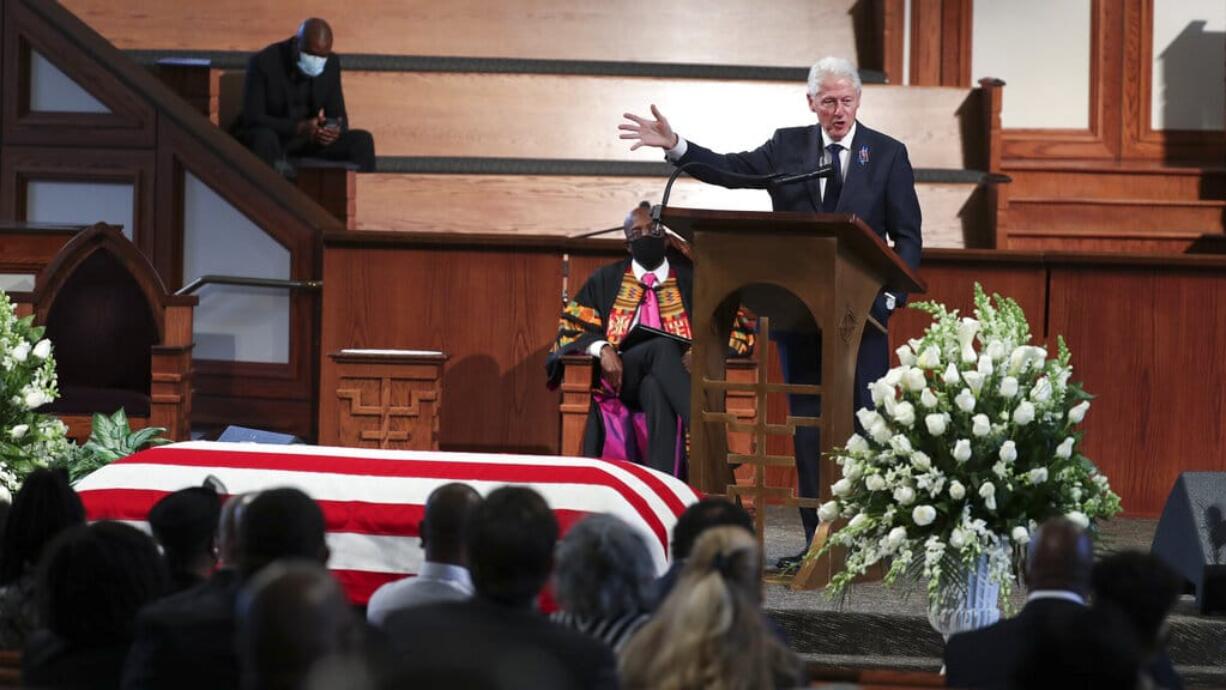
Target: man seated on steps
<point x="293" y="104"/>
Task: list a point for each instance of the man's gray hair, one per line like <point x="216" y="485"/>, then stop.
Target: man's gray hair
<point x="604" y="569"/>
<point x="832" y="68"/>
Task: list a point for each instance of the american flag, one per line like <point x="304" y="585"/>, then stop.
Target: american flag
<point x="372" y="500"/>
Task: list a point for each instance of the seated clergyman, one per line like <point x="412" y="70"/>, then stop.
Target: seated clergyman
<point x="644" y="403"/>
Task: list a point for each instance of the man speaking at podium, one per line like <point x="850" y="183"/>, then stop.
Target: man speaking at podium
<point x="871" y="178"/>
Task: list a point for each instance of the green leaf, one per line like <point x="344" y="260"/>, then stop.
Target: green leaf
<point x="103" y="428"/>
<point x="137" y="440"/>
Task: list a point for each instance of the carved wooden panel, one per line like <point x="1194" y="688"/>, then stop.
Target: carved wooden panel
<point x="386" y="399"/>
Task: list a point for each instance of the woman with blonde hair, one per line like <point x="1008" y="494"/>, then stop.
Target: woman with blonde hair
<point x="709" y="633"/>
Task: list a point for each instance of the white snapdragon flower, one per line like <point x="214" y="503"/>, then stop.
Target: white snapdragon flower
<point x="914" y="380"/>
<point x="43" y="349"/>
<point x="901" y="444"/>
<point x="965" y="400"/>
<point x="895" y="538"/>
<point x="980" y="426"/>
<point x="904" y="414"/>
<point x="857" y="444"/>
<point x="924" y="515"/>
<point x="930" y="358"/>
<point x="1000" y="469"/>
<point x="1008" y="387"/>
<point x="1078" y="412"/>
<point x="21" y="352"/>
<point x="962" y="450"/>
<point x="1008" y="451"/>
<point x="985" y="364"/>
<point x="956" y="490"/>
<point x="874" y="482"/>
<point x="880" y="431"/>
<point x="996" y="350"/>
<point x="1078" y="518"/>
<point x="829" y="511"/>
<point x="951" y="376"/>
<point x="1065" y="449"/>
<point x="928" y="399"/>
<point x="841" y="488"/>
<point x="1037" y="476"/>
<point x="906" y="356"/>
<point x="1024" y="414"/>
<point x="967" y="328"/>
<point x="921" y="460"/>
<point x="1021" y="535"/>
<point x="904" y="495"/>
<point x="936" y="424"/>
<point x="858" y="521"/>
<point x="1041" y="391"/>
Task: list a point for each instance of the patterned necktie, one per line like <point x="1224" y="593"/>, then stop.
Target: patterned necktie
<point x="649" y="311"/>
<point x="834" y="183"/>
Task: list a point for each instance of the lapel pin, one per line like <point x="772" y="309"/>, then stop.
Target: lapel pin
<point x="863" y="155"/>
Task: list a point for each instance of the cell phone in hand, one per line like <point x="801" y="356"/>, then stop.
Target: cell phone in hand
<point x="333" y="122"/>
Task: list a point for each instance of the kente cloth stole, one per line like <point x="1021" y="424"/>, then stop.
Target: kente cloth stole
<point x="673" y="318"/>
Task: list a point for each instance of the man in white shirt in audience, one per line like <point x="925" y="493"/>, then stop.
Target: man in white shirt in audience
<point x="444" y="575"/>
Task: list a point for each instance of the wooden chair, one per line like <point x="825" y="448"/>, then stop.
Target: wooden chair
<point x="120" y="338"/>
<point x="10" y="669"/>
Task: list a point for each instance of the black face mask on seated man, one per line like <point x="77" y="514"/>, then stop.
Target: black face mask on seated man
<point x="648" y="251"/>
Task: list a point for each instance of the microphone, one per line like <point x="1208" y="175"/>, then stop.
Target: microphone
<point x="781" y="179"/>
<point x="769" y="181"/>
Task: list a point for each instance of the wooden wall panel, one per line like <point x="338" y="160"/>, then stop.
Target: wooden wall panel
<point x="573" y="205"/>
<point x="576" y="116"/>
<point x="782" y="32"/>
<point x="1148" y="344"/>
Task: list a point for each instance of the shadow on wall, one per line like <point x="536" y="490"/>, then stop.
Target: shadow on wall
<point x="1194" y="71"/>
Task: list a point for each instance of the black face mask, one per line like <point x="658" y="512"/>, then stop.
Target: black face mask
<point x="648" y="251"/>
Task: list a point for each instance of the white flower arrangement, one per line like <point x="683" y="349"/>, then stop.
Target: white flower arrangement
<point x="28" y="439"/>
<point x="993" y="454"/>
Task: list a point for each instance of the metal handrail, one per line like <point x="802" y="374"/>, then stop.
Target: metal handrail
<point x="200" y="282"/>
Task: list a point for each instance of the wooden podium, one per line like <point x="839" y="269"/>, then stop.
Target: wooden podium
<point x="833" y="266"/>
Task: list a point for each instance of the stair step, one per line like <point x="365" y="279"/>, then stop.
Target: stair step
<point x="1080" y="215"/>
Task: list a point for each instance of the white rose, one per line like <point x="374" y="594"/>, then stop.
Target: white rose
<point x="921" y="460"/>
<point x="1037" y="476"/>
<point x="852" y="470"/>
<point x="874" y="482"/>
<point x="21" y="352"/>
<point x="895" y="538"/>
<point x="964" y="400"/>
<point x="957" y="538"/>
<point x="935" y="423"/>
<point x="1078" y="412"/>
<point x="841" y="488"/>
<point x="987" y="490"/>
<point x="1078" y="518"/>
<point x="973" y="379"/>
<point x="1024" y="414"/>
<point x="1021" y="535"/>
<point x="1017" y="359"/>
<point x="1038" y="356"/>
<point x="880" y="432"/>
<point x="1008" y="387"/>
<point x="828" y="512"/>
<point x="893" y="377"/>
<point x="1041" y="392"/>
<point x="857" y="444"/>
<point x="881" y="392"/>
<point x="867" y="417"/>
<point x="858" y="521"/>
<point x="904" y="413"/>
<point x="34" y="399"/>
<point x="985" y="365"/>
<point x="19" y="430"/>
<point x="924" y="515"/>
<point x="1008" y="451"/>
<point x="962" y="450"/>
<point x="956" y="490"/>
<point x="914" y="380"/>
<point x="43" y="349"/>
<point x="967" y="328"/>
<point x="1065" y="449"/>
<point x="906" y="356"/>
<point x="980" y="426"/>
<point x="928" y="399"/>
<point x="996" y="350"/>
<point x="930" y="358"/>
<point x="951" y="376"/>
<point x="904" y="495"/>
<point x="902" y="444"/>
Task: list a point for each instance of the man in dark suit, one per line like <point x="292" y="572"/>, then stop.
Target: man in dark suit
<point x="872" y="178"/>
<point x="1058" y="566"/>
<point x="187" y="640"/>
<point x="293" y="104"/>
<point x="497" y="639"/>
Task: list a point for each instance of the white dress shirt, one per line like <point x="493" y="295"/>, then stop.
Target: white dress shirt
<point x="661" y="274"/>
<point x="437" y="582"/>
<point x="1056" y="594"/>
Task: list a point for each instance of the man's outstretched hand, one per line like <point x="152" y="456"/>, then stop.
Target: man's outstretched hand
<point x="646" y="132"/>
<point x="611" y="367"/>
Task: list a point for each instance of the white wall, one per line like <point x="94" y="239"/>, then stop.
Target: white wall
<point x="1189" y="67"/>
<point x="233" y="323"/>
<point x="1041" y="48"/>
<point x="80" y="203"/>
<point x="52" y="91"/>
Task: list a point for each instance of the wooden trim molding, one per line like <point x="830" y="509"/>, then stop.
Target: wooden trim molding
<point x="941" y="42"/>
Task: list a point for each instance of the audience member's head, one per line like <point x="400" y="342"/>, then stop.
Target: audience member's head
<point x="277" y="524"/>
<point x="45" y="506"/>
<point x="315" y="37"/>
<point x="1143" y="588"/>
<point x="604" y="569"/>
<point x="292" y="615"/>
<point x="699" y="517"/>
<point x="510" y="545"/>
<point x="227" y="528"/>
<point x="94" y="579"/>
<point x="1095" y="648"/>
<point x="444" y="528"/>
<point x="709" y="631"/>
<point x="185" y="524"/>
<point x="1060" y="557"/>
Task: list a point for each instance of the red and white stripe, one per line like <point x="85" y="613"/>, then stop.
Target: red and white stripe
<point x="372" y="500"/>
